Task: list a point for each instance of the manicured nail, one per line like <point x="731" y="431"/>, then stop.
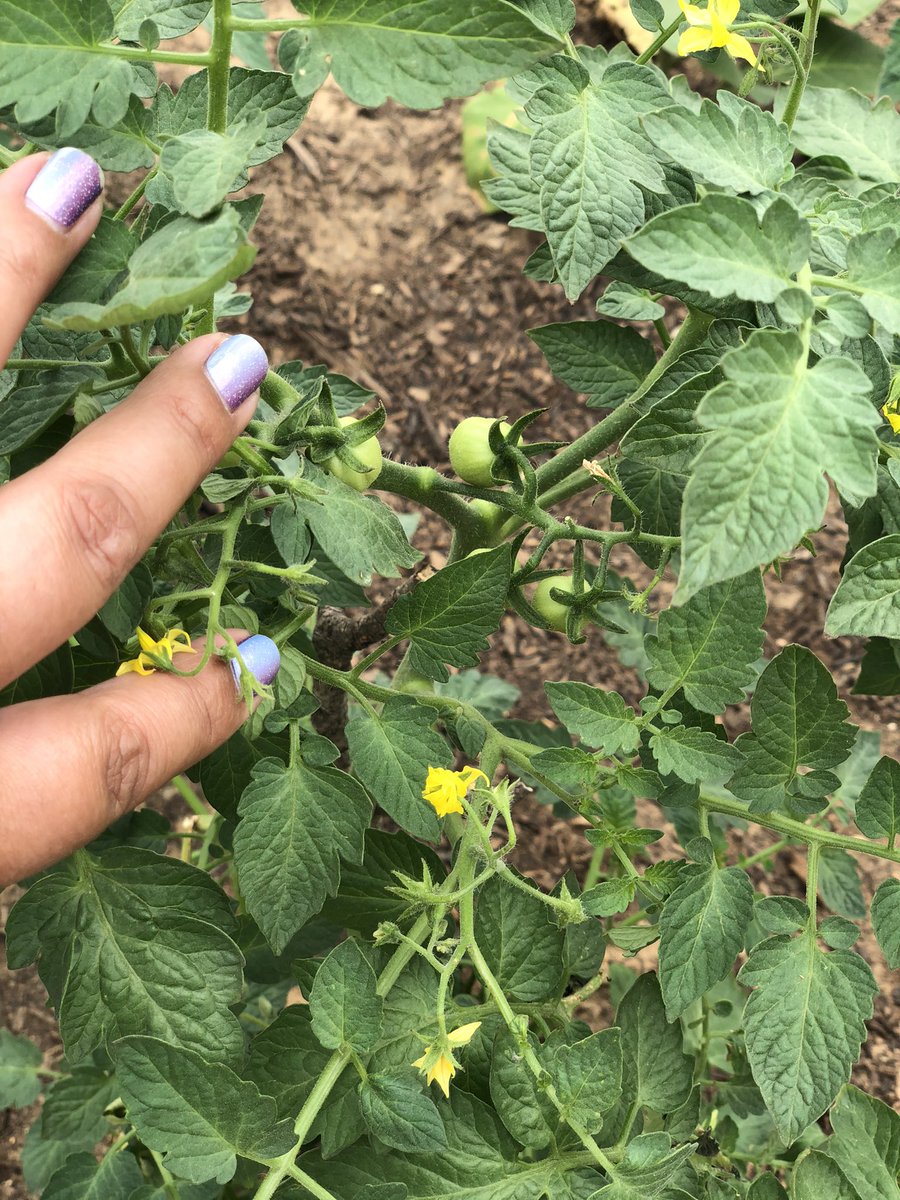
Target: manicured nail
<point x="261" y="658"/>
<point x="65" y="187"/>
<point x="236" y="369"/>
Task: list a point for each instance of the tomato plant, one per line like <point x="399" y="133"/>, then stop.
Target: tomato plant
<point x="740" y="371"/>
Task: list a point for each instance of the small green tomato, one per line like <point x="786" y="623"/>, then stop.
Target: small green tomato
<point x="470" y="453"/>
<point x="551" y="610"/>
<point x="368" y="452"/>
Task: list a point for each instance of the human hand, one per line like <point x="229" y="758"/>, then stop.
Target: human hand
<point x="72" y="528"/>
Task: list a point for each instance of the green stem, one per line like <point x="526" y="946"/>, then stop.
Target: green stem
<point x="137" y="54"/>
<point x="797" y="831"/>
<point x="125" y="209"/>
<point x="190" y="797"/>
<point x="812" y="885"/>
<point x="423" y="485"/>
<point x="217" y="108"/>
<point x="659" y="41"/>
<point x="810" y="28"/>
<point x="314" y="1189"/>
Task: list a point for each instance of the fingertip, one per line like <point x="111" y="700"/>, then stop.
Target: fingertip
<point x="236" y="368"/>
<point x="64" y="190"/>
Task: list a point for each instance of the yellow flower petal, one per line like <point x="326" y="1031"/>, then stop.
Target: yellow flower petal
<point x="147" y="644"/>
<point x="892" y="418"/>
<point x="692" y="14"/>
<point x="738" y="47"/>
<point x="420" y="1062"/>
<point x="694" y="39"/>
<point x="179" y="641"/>
<point x="441" y="1073"/>
<point x="463" y="1035"/>
<point x="140" y="665"/>
<point x="468" y="775"/>
<point x="726" y="10"/>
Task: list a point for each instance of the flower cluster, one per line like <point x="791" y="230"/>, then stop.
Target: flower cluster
<point x="437" y="1064"/>
<point x="709" y="29"/>
<point x="156" y="654"/>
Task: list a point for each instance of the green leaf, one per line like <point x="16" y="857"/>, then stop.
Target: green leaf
<point x="804" y="1024"/>
<point x="98" y="265"/>
<point x="588" y="1077"/>
<point x="523" y="1107"/>
<point x="886" y="920"/>
<point x="81" y="1177"/>
<point x="448" y="618"/>
<point x="360" y="534"/>
<point x="198" y="169"/>
<point x="590" y="159"/>
<point x="609" y="897"/>
<point x="363" y="900"/>
<point x="555" y="17"/>
<point x="28" y="409"/>
<point x="844" y="124"/>
<point x="649" y="1166"/>
<point x="417" y="54"/>
<point x="601" y="719"/>
<point x="627" y="303"/>
<point x="767" y="1187"/>
<point x="866" y="1144"/>
<point x="391" y="752"/>
<point x="839" y="884"/>
<point x="49" y="61"/>
<point x="200" y="1115"/>
<point x="720" y="246"/>
<point x="867" y="600"/>
<point x="20" y="1065"/>
<point x="873" y="265"/>
<point x="733" y="144"/>
<point x="150" y="956"/>
<point x="74" y="1107"/>
<point x="172" y="18"/>
<point x="125" y="145"/>
<point x="286" y="1059"/>
<point x="816" y="1175"/>
<point x="177" y="266"/>
<point x="297" y="823"/>
<point x="522" y="946"/>
<point x="668" y="436"/>
<point x="657" y="1073"/>
<point x="401" y="1115"/>
<point x="694" y="755"/>
<point x="701" y="932"/>
<point x="708" y="647"/>
<point x="481" y="1162"/>
<point x="343" y="1003"/>
<point x="124" y="610"/>
<point x="758" y="483"/>
<point x="889" y="83"/>
<point x="606" y="361"/>
<point x="796" y="720"/>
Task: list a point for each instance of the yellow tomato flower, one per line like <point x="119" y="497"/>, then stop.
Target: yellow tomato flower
<point x="438" y="1064"/>
<point x="445" y="789"/>
<point x="891" y="415"/>
<point x="709" y="30"/>
<point x="175" y="642"/>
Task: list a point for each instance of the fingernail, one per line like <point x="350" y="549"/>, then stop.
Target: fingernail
<point x="236" y="369"/>
<point x="65" y="187"/>
<point x="261" y="658"/>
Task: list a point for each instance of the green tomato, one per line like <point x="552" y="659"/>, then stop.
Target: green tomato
<point x="368" y="452"/>
<point x="551" y="610"/>
<point x="470" y="454"/>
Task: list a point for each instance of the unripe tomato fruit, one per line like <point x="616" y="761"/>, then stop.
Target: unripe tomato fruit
<point x="470" y="454"/>
<point x="368" y="452"/>
<point x="551" y="610"/>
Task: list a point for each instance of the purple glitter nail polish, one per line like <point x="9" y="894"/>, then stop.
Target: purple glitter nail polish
<point x="65" y="187"/>
<point x="236" y="369"/>
<point x="261" y="657"/>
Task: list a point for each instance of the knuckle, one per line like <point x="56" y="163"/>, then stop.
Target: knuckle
<point x="125" y="760"/>
<point x="100" y="525"/>
<point x="192" y="422"/>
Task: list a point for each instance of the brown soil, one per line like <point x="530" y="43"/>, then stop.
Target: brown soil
<point x="375" y="259"/>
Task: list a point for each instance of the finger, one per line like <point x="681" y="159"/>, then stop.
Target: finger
<point x="49" y="207"/>
<point x="72" y="529"/>
<point x="70" y="765"/>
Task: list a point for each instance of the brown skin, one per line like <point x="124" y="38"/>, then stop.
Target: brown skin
<point x="70" y="531"/>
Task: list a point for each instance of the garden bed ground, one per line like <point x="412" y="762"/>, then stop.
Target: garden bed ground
<point x="375" y="259"/>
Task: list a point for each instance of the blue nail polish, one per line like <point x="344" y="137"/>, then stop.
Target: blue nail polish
<point x="65" y="187"/>
<point x="236" y="369"/>
<point x="261" y="657"/>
